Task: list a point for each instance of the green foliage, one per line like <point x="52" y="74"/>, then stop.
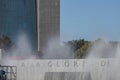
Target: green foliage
<point x="79" y="47"/>
<point x="76" y="44"/>
<point x="82" y="52"/>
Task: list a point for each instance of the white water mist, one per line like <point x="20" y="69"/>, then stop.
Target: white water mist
<point x="105" y="49"/>
<point x="55" y="50"/>
<point x="22" y="48"/>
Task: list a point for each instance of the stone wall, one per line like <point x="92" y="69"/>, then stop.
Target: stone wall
<point x="36" y="69"/>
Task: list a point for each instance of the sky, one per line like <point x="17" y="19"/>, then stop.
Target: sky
<point x="90" y="19"/>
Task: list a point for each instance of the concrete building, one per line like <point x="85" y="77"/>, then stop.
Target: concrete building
<point x="48" y="22"/>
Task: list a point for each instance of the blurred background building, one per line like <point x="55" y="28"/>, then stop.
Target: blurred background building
<point x="18" y="16"/>
<point x="39" y="19"/>
<point x="48" y="22"/>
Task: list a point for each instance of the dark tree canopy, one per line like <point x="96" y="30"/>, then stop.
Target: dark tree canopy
<point x="79" y="47"/>
<point x="5" y="42"/>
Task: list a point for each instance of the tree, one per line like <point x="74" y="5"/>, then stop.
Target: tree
<point x="82" y="52"/>
<point x="79" y="47"/>
<point x="5" y="43"/>
<point x="76" y="44"/>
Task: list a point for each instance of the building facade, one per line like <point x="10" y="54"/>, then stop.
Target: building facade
<point x="48" y="22"/>
<point x="39" y="19"/>
<point x="18" y="16"/>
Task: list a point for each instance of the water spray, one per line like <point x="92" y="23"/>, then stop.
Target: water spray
<point x="0" y="56"/>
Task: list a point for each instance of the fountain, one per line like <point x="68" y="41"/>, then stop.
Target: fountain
<point x="102" y="63"/>
<point x="67" y="69"/>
